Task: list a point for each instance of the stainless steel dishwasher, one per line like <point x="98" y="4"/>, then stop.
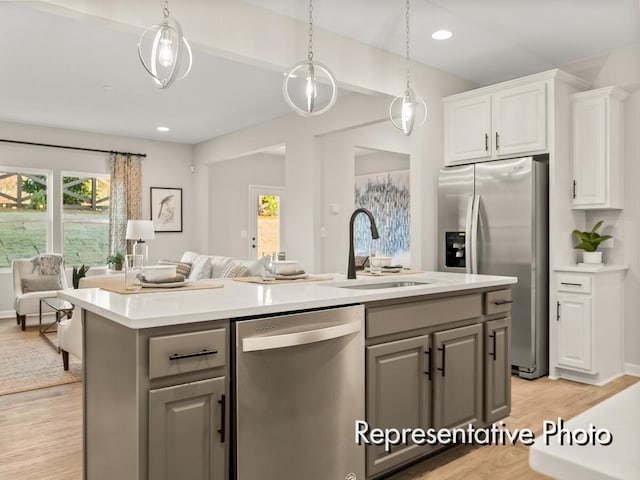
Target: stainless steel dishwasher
<point x="299" y="388"/>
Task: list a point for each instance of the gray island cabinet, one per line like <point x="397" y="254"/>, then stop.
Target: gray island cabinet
<point x="158" y="368"/>
<point x="435" y="363"/>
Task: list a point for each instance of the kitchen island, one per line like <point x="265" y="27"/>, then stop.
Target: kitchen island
<point x="162" y="394"/>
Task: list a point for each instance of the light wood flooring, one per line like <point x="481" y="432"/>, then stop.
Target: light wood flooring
<point x="41" y="433"/>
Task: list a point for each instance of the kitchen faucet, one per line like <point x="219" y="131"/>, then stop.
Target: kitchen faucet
<point x="351" y="269"/>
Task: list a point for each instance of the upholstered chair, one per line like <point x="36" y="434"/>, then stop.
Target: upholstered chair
<point x="70" y="337"/>
<point x="30" y="284"/>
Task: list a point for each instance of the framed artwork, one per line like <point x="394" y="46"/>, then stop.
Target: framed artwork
<point x="166" y="209"/>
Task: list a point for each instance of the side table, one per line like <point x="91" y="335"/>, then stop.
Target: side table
<point x="61" y="309"/>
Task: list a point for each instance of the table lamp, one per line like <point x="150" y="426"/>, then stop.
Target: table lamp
<point x="140" y="230"/>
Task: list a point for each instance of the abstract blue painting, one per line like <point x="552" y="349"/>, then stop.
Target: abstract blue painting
<point x="386" y="195"/>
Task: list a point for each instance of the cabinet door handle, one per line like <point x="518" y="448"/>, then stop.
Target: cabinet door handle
<point x="497" y="141"/>
<point x="569" y="284"/>
<point x="502" y="302"/>
<point x="493" y="354"/>
<point x="428" y="372"/>
<point x="574" y="189"/>
<point x="178" y="356"/>
<point x="486" y="142"/>
<point x="444" y="352"/>
<point x="223" y="418"/>
<point x="557" y="311"/>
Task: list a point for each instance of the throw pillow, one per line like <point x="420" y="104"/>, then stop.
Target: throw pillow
<point x="233" y="270"/>
<point x="47" y="264"/>
<point x="182" y="268"/>
<point x="201" y="268"/>
<point x="41" y="284"/>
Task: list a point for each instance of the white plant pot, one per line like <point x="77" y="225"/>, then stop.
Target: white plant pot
<point x="592" y="257"/>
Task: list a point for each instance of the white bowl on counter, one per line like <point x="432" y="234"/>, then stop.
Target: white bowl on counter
<point x="284" y="267"/>
<point x="156" y="273"/>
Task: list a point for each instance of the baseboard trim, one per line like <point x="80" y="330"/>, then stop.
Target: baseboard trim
<point x="8" y="314"/>
<point x="632" y="369"/>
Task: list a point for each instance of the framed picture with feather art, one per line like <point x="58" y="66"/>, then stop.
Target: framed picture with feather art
<point x="166" y="209"/>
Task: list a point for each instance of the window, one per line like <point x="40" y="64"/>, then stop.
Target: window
<point x="24" y="219"/>
<point x="85" y="218"/>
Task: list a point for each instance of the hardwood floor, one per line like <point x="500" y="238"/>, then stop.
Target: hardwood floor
<point x="41" y="433"/>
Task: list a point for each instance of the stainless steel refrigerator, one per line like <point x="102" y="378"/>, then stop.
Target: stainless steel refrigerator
<point x="493" y="219"/>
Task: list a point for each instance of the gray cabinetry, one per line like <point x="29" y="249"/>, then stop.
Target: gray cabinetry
<point x="497" y="391"/>
<point x="435" y="363"/>
<point x="399" y="394"/>
<point x="187" y="431"/>
<point x="155" y="400"/>
<point x="457" y="377"/>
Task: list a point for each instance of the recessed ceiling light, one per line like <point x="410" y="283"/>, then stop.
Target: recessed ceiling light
<point x="441" y="35"/>
<point x="163" y="129"/>
<point x="107" y="87"/>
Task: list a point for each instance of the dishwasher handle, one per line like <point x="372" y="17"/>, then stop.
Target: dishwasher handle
<point x="271" y="342"/>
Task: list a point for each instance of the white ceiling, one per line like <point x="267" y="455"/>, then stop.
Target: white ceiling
<point x="52" y="75"/>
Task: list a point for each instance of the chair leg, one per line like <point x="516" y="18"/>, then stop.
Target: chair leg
<point x="17" y="318"/>
<point x="22" y="320"/>
<point x="65" y="359"/>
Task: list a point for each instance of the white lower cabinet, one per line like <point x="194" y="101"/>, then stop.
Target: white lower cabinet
<point x="586" y="332"/>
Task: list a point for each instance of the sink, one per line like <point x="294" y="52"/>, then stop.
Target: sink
<point x="397" y="284"/>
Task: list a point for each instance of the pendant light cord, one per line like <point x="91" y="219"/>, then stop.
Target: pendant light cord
<point x="310" y="53"/>
<point x="165" y="8"/>
<point x="407" y="46"/>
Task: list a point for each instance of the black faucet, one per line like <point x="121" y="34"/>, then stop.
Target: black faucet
<point x="351" y="269"/>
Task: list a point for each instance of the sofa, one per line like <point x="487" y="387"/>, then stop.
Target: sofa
<point x="198" y="266"/>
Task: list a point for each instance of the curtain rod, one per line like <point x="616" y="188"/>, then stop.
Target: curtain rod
<point x="143" y="155"/>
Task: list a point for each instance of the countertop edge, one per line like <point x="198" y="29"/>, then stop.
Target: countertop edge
<point x="132" y="311"/>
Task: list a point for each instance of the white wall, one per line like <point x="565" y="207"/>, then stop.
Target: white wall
<point x="621" y="68"/>
<point x="380" y="162"/>
<point x="229" y="199"/>
<point x="166" y="165"/>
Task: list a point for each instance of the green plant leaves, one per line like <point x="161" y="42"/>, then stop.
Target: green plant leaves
<point x="590" y="241"/>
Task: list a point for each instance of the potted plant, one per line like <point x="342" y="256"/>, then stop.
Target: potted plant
<point x="115" y="260"/>
<point x="589" y="242"/>
<point x="79" y="273"/>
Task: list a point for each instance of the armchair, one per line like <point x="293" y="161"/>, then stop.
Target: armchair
<point x="30" y="285"/>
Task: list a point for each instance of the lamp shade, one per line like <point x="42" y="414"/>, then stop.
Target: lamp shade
<point x="140" y="230"/>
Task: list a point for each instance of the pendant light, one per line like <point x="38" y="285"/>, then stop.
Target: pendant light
<point x="309" y="87"/>
<point x="408" y="111"/>
<point x="165" y="52"/>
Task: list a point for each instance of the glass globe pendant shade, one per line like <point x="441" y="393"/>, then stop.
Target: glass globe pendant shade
<point x="309" y="88"/>
<point x="165" y="53"/>
<point x="408" y="111"/>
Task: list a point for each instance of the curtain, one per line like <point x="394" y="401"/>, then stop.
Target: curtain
<point x="126" y="198"/>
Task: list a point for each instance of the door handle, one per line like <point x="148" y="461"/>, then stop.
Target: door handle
<point x="428" y="354"/>
<point x="497" y="141"/>
<point x="574" y="189"/>
<point x="178" y="356"/>
<point x="271" y="342"/>
<point x="468" y="239"/>
<point x="486" y="142"/>
<point x="557" y="311"/>
<point x="475" y="220"/>
<point x="493" y="354"/>
<point x="444" y="352"/>
<point x="223" y="418"/>
<point x="569" y="284"/>
<point x="502" y="302"/>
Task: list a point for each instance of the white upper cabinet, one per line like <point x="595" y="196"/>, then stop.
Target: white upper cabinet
<point x="509" y="121"/>
<point x="598" y="149"/>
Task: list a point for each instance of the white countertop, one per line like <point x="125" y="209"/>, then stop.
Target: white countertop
<point x="620" y="415"/>
<point x="236" y="299"/>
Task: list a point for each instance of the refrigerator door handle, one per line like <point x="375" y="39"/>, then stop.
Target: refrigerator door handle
<point x="475" y="220"/>
<point x="468" y="238"/>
